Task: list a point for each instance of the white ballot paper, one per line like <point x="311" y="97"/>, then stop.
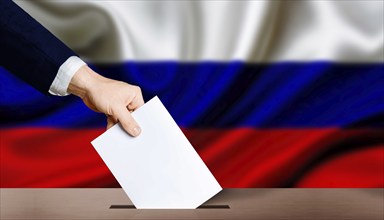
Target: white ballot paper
<point x="159" y="169"/>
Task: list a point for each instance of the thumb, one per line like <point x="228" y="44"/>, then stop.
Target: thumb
<point x="128" y="122"/>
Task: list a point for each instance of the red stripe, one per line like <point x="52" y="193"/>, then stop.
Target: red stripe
<point x="50" y="157"/>
<point x="360" y="168"/>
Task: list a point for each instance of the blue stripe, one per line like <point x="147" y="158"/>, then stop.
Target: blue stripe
<point x="222" y="95"/>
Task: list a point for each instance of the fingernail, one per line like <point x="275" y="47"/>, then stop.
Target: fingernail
<point x="136" y="131"/>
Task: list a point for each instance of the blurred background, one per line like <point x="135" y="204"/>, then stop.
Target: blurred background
<point x="270" y="93"/>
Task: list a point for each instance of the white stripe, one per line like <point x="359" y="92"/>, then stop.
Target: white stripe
<point x="251" y="31"/>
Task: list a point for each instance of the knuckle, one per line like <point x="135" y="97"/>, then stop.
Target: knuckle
<point x="113" y="111"/>
<point x="138" y="89"/>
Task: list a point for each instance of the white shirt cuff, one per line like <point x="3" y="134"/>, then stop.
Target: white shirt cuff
<point x="64" y="75"/>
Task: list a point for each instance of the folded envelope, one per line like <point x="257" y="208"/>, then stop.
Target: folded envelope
<point x="158" y="169"/>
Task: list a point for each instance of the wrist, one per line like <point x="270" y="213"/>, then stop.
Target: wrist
<point x="83" y="81"/>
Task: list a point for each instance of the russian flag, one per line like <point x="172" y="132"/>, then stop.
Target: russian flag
<point x="270" y="93"/>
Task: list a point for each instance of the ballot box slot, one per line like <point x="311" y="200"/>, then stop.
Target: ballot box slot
<point x="200" y="207"/>
<point x="122" y="207"/>
<point x="213" y="207"/>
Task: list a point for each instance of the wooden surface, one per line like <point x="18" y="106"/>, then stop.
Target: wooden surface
<point x="361" y="204"/>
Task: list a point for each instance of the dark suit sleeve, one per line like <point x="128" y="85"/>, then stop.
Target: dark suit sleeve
<point x="27" y="49"/>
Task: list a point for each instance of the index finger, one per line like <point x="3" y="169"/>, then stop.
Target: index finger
<point x="136" y="102"/>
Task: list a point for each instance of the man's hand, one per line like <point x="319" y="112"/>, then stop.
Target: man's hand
<point x="114" y="98"/>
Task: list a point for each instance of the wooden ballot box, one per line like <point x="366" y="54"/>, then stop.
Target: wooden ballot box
<point x="282" y="203"/>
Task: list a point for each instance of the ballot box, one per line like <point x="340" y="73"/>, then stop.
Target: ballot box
<point x="282" y="203"/>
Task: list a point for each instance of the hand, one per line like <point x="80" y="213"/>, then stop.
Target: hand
<point x="114" y="98"/>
